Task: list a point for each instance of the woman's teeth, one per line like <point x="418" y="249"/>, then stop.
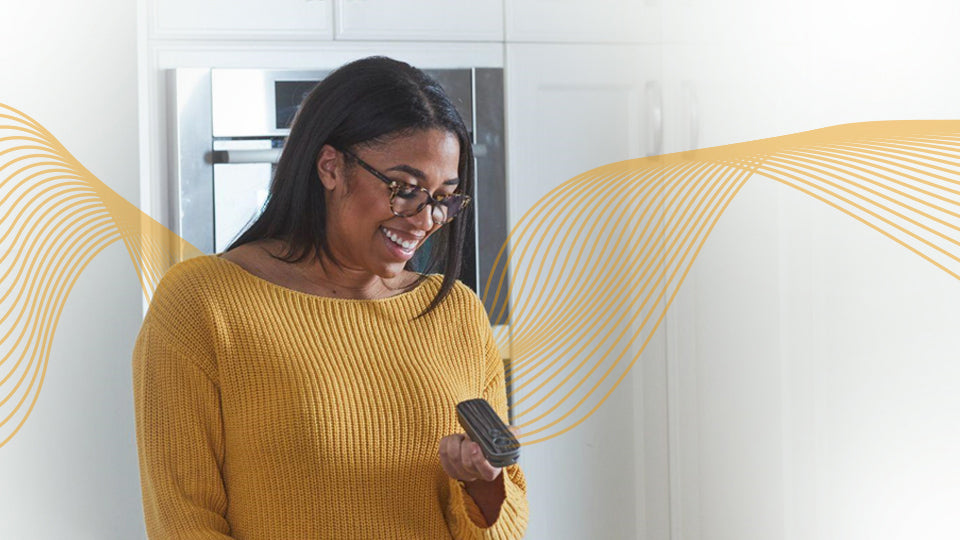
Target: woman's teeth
<point x="405" y="244"/>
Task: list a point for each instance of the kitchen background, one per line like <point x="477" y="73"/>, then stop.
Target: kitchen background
<point x="803" y="386"/>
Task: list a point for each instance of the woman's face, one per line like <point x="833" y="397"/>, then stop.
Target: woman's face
<point x="362" y="229"/>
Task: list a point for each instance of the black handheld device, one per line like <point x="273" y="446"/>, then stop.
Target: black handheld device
<point x="485" y="427"/>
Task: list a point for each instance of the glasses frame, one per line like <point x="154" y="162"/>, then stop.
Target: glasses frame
<point x="395" y="186"/>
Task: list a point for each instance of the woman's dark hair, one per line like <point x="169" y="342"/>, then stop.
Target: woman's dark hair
<point x="365" y="102"/>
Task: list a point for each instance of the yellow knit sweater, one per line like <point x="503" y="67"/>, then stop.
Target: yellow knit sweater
<point x="268" y="413"/>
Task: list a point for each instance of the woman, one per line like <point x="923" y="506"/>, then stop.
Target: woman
<point x="303" y="383"/>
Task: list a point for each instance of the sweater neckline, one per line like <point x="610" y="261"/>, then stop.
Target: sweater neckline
<point x="249" y="276"/>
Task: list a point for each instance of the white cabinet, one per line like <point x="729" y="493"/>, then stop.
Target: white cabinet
<point x="426" y="20"/>
<point x="291" y="19"/>
<point x="571" y="108"/>
<point x="734" y="21"/>
<point x="724" y="330"/>
<point x="538" y="21"/>
<point x="723" y="93"/>
<point x="601" y="21"/>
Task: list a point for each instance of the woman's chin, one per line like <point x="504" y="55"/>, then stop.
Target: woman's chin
<point x="391" y="270"/>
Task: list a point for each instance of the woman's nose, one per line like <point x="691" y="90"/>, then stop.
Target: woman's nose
<point x="425" y="218"/>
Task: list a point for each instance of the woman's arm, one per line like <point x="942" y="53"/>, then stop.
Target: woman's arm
<point x="492" y="507"/>
<point x="179" y="438"/>
<point x="462" y="460"/>
<point x="489" y="496"/>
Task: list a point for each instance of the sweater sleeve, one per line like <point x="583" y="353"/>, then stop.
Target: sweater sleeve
<point x="463" y="515"/>
<point x="179" y="437"/>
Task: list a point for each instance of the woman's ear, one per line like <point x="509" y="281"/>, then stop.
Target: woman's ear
<point x="330" y="167"/>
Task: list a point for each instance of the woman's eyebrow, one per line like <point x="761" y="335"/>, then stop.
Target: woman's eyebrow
<point x="419" y="175"/>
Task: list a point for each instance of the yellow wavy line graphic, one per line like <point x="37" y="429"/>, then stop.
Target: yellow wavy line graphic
<point x="597" y="261"/>
<point x="55" y="217"/>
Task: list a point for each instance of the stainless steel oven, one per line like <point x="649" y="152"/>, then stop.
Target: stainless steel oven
<point x="227" y="129"/>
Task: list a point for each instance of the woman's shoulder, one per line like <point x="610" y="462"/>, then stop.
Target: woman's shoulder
<point x="188" y="292"/>
<point x="460" y="291"/>
<point x="190" y="277"/>
<point x="462" y="302"/>
<point x="180" y="308"/>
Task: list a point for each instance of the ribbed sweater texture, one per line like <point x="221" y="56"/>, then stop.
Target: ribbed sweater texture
<point x="267" y="413"/>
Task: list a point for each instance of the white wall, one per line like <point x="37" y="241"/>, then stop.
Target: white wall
<point x="71" y="471"/>
<point x="813" y="361"/>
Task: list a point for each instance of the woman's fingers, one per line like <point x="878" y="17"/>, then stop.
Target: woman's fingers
<point x="462" y="459"/>
<point x="446" y="450"/>
<point x="484" y="469"/>
<point x="468" y="451"/>
<point x="451" y="458"/>
<point x="467" y="474"/>
<point x="476" y="463"/>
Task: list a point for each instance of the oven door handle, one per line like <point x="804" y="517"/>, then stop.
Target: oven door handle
<point x="271" y="155"/>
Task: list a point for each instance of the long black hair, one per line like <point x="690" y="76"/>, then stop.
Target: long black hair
<point x="365" y="102"/>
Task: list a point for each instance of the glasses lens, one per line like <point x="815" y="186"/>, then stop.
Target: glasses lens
<point x="452" y="205"/>
<point x="408" y="202"/>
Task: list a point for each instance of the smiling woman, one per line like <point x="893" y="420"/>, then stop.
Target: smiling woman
<point x="392" y="113"/>
<point x="303" y="383"/>
<point x="375" y="228"/>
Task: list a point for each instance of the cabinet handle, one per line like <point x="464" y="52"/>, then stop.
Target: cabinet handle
<point x="654" y="98"/>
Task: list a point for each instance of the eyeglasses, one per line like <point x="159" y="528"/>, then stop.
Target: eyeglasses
<point x="408" y="200"/>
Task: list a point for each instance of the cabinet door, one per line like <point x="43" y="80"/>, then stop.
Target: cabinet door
<point x="724" y="324"/>
<point x="424" y="20"/>
<point x="241" y="18"/>
<point x="572" y="108"/>
<point x="602" y="21"/>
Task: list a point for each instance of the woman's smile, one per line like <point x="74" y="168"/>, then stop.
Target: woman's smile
<point x="401" y="245"/>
